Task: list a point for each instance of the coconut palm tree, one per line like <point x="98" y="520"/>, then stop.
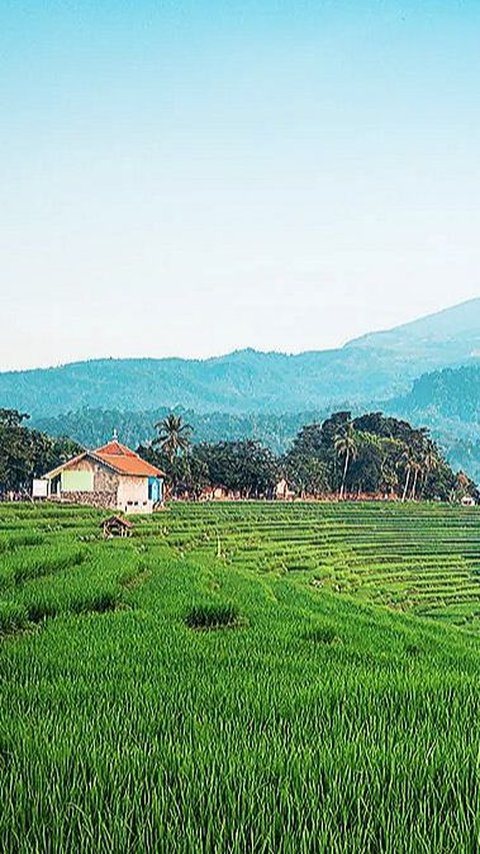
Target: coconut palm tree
<point x="412" y="461"/>
<point x="345" y="444"/>
<point x="408" y="458"/>
<point x="417" y="467"/>
<point x="430" y="462"/>
<point x="173" y="436"/>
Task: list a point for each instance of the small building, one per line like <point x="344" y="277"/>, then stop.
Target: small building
<point x="282" y="491"/>
<point x="39" y="488"/>
<point x="468" y="501"/>
<point x="113" y="477"/>
<point x="215" y="493"/>
<point x="115" y="526"/>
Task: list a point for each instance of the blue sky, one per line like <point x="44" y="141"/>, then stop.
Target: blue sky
<point x="187" y="178"/>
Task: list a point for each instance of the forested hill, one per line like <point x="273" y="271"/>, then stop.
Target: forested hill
<point x="244" y="381"/>
<point x="448" y="402"/>
<point x="450" y="393"/>
<point x="378" y="366"/>
<point x="92" y="427"/>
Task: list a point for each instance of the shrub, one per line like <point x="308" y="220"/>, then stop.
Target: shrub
<point x="212" y="616"/>
<point x="413" y="650"/>
<point x="13" y="617"/>
<point x="322" y="634"/>
<point x="100" y="603"/>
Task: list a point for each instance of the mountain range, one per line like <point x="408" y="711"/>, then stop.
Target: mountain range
<point x="377" y="366"/>
<point x="427" y="370"/>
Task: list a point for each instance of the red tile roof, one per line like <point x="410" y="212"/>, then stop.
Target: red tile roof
<point x="118" y="457"/>
<point x="126" y="461"/>
<point x="115" y="448"/>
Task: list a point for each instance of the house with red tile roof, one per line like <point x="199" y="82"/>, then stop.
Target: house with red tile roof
<point x="112" y="476"/>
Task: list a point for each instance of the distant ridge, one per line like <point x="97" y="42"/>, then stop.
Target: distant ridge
<point x="448" y="323"/>
<point x="379" y="365"/>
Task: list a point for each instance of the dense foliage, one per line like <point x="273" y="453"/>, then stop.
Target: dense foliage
<point x="452" y="392"/>
<point x="448" y="401"/>
<point x="372" y="454"/>
<point x="91" y="427"/>
<point x="25" y="453"/>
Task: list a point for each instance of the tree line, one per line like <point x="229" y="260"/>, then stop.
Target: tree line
<point x="369" y="455"/>
<point x="25" y="453"/>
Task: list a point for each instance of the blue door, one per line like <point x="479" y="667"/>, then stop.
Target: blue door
<point x="155" y="489"/>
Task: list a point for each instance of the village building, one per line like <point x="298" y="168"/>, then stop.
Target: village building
<point x="216" y="493"/>
<point x="113" y="477"/>
<point x="282" y="491"/>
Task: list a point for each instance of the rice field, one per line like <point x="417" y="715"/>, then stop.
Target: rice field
<point x="240" y="678"/>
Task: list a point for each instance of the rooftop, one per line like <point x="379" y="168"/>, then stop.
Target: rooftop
<point x="118" y="457"/>
<point x="124" y="460"/>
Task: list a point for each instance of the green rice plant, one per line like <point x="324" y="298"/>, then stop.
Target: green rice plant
<point x="13" y="617"/>
<point x="335" y="723"/>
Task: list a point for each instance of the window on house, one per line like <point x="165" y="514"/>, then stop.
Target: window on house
<point x="77" y="481"/>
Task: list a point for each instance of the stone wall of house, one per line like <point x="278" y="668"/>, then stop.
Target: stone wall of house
<point x="105" y="487"/>
<point x="104" y="480"/>
<point x="105" y="500"/>
<point x="128" y="493"/>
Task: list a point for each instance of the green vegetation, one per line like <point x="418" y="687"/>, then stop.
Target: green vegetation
<point x="212" y="616"/>
<point x="173" y="436"/>
<point x="449" y="402"/>
<point x="91" y="427"/>
<point x="332" y="707"/>
<point x="371" y="454"/>
<point x="26" y="453"/>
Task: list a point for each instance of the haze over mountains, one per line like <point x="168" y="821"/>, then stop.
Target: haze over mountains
<point x="400" y="370"/>
<point x="379" y="366"/>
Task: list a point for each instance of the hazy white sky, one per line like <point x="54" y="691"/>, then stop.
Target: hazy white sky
<point x="191" y="178"/>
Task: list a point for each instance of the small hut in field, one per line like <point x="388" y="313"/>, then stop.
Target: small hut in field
<point x="115" y="526"/>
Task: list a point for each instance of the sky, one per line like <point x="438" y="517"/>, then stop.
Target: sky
<point x="191" y="177"/>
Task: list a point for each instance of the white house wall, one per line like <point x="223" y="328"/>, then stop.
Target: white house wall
<point x="132" y="496"/>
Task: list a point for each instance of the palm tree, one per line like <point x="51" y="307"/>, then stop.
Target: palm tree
<point x="430" y="462"/>
<point x="409" y="459"/>
<point x="417" y="468"/>
<point x="173" y="437"/>
<point x="345" y="443"/>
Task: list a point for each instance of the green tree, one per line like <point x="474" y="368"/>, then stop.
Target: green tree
<point x="345" y="443"/>
<point x="174" y="436"/>
<point x="307" y="474"/>
<point x="430" y="463"/>
<point x="25" y="454"/>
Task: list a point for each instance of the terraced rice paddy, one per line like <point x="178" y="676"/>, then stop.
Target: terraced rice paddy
<point x="241" y="678"/>
<point x="424" y="558"/>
